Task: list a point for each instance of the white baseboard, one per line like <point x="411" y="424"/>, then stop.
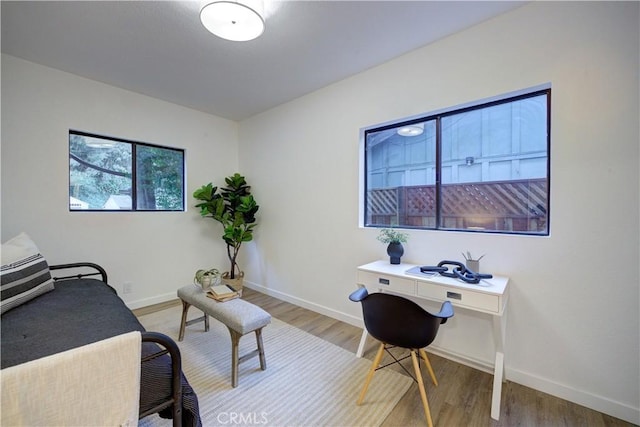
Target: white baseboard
<point x="334" y="314"/>
<point x="589" y="400"/>
<point x="599" y="403"/>
<point x="480" y="365"/>
<point x="602" y="404"/>
<point x="151" y="301"/>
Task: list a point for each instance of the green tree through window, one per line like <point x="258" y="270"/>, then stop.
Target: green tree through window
<point x="116" y="174"/>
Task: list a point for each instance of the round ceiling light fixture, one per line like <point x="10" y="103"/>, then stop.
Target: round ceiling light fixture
<point x="233" y="20"/>
<point x="411" y="130"/>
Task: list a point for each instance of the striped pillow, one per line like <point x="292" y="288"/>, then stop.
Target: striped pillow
<point x="25" y="278"/>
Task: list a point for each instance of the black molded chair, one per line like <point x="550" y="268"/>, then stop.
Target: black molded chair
<point x="398" y="322"/>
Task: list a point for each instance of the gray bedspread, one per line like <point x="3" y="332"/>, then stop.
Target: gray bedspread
<point x="80" y="312"/>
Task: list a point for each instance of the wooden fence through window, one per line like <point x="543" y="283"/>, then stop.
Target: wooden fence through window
<point x="512" y="206"/>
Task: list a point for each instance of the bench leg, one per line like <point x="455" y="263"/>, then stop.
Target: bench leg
<point x="263" y="361"/>
<point x="235" y="358"/>
<point x="183" y="322"/>
<point x="235" y="354"/>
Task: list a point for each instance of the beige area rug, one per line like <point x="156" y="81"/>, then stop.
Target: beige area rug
<point x="308" y="381"/>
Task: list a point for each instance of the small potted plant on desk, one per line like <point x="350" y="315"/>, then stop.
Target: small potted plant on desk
<point x="394" y="239"/>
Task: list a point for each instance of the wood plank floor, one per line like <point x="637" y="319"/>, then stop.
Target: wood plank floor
<point x="463" y="397"/>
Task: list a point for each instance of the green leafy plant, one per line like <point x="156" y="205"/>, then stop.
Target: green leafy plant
<point x="389" y="235"/>
<point x="235" y="208"/>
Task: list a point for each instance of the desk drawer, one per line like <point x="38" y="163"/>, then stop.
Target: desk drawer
<point x="384" y="281"/>
<point x="462" y="297"/>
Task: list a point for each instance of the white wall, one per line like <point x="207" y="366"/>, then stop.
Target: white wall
<point x="573" y="325"/>
<point x="157" y="252"/>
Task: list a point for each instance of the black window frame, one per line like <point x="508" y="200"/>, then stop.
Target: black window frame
<point x="134" y="183"/>
<point x="437" y="117"/>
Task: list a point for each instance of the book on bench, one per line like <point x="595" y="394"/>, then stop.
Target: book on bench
<point x="222" y="293"/>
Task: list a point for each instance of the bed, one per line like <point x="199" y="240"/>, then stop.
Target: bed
<point x="82" y="309"/>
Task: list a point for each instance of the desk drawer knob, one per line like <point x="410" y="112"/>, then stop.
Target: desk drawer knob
<point x="454" y="295"/>
<point x="383" y="281"/>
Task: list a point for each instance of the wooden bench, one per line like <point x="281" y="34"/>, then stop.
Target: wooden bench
<point x="239" y="316"/>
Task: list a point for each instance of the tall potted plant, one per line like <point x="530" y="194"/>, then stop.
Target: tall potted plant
<point x="234" y="207"/>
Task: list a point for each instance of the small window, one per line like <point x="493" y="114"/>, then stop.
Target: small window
<point x="112" y="174"/>
<point x="481" y="168"/>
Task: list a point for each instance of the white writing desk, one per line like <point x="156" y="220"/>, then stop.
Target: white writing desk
<point x="489" y="296"/>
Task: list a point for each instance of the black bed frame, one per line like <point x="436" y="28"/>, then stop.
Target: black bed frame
<point x="168" y="346"/>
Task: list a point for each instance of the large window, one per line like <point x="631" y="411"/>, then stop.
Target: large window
<point x="480" y="168"/>
<point x="119" y="175"/>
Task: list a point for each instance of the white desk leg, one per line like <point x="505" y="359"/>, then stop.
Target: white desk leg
<point x="497" y="386"/>
<point x="363" y="340"/>
<point x="499" y="333"/>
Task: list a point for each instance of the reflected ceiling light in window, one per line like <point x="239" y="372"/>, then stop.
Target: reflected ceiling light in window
<point x="411" y="130"/>
<point x="99" y="143"/>
<point x="234" y="20"/>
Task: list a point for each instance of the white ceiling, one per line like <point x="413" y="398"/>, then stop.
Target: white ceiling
<point x="160" y="48"/>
